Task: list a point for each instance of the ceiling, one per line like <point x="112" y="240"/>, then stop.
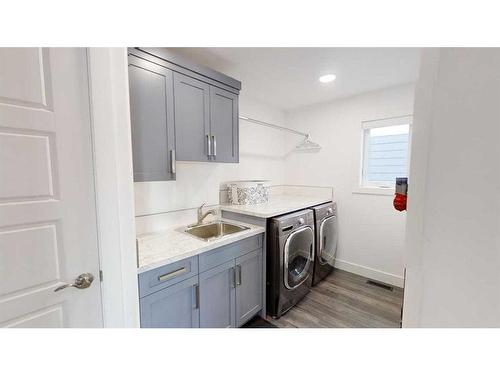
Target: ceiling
<point x="287" y="78"/>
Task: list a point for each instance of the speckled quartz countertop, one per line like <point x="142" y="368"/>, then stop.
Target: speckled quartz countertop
<point x="161" y="248"/>
<point x="277" y="205"/>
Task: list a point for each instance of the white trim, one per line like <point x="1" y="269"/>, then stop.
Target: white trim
<point x="374" y="190"/>
<point x="370" y="273"/>
<point x="114" y="185"/>
<point x="389" y="121"/>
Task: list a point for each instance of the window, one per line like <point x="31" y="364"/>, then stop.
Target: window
<point x="385" y="154"/>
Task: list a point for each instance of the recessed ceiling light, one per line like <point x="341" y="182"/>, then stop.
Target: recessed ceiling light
<point x="327" y="78"/>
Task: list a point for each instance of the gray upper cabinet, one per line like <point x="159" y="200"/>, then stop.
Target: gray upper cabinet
<point x="224" y="125"/>
<point x="172" y="307"/>
<point x="152" y="120"/>
<point x="206" y="121"/>
<point x="217" y="297"/>
<point x="192" y="118"/>
<point x="194" y="104"/>
<point x="249" y="281"/>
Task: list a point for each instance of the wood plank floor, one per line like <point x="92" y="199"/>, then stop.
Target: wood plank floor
<point x="345" y="300"/>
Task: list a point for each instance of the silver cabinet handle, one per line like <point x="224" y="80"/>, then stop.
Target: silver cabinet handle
<point x="172" y="161"/>
<point x="214" y="140"/>
<point x="209" y="146"/>
<point x="81" y="282"/>
<point x="238" y="280"/>
<point x="169" y="275"/>
<point x="197" y="296"/>
<point x="234" y="277"/>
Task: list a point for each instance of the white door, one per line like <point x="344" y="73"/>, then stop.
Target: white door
<point x="48" y="234"/>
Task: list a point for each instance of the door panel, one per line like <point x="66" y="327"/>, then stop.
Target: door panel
<point x="217" y="297"/>
<point x="192" y="118"/>
<point x="47" y="213"/>
<point x="224" y="125"/>
<point x="36" y="261"/>
<point x="152" y="120"/>
<point x="29" y="66"/>
<point x="46" y="318"/>
<point x="172" y="307"/>
<point x="249" y="286"/>
<point x="33" y="165"/>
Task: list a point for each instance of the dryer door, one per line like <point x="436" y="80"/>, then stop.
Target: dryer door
<point x="298" y="257"/>
<point x="328" y="237"/>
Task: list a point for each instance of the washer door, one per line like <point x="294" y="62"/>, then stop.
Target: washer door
<point x="328" y="237"/>
<point x="298" y="257"/>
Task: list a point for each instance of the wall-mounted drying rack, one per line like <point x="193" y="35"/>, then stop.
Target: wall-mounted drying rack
<point x="305" y="145"/>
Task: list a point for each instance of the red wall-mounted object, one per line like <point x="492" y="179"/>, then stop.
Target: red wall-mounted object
<point x="400" y="202"/>
<point x="401" y="194"/>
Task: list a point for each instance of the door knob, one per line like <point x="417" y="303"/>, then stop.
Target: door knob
<point x="81" y="282"/>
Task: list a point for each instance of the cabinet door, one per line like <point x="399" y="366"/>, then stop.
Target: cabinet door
<point x="172" y="307"/>
<point x="217" y="297"/>
<point x="192" y="117"/>
<point x="248" y="286"/>
<point x="224" y="125"/>
<point x="152" y="120"/>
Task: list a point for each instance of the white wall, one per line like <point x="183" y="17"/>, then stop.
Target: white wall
<point x="261" y="157"/>
<point x="371" y="232"/>
<point x="453" y="248"/>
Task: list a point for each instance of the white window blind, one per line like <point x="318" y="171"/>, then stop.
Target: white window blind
<point x="385" y="157"/>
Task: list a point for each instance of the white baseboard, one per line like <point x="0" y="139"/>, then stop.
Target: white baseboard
<point x="370" y="273"/>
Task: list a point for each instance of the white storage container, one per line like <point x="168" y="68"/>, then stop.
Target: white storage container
<point x="248" y="192"/>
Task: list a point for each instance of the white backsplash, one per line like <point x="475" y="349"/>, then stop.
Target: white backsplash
<point x="174" y="219"/>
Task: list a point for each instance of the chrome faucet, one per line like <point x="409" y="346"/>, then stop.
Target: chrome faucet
<point x="202" y="216"/>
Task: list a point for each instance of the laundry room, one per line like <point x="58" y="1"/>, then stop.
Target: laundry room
<point x="255" y="187"/>
<point x="234" y="186"/>
<point x="303" y="143"/>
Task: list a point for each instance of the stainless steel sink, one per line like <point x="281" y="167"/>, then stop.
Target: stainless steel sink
<point x="214" y="230"/>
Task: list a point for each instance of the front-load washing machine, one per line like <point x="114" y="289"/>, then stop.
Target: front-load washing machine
<point x="325" y="217"/>
<point x="290" y="259"/>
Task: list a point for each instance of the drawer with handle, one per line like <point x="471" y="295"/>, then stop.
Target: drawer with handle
<point x="162" y="277"/>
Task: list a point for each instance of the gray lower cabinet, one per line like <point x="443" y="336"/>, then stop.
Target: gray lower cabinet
<point x="172" y="307"/>
<point x="218" y="289"/>
<point x="217" y="297"/>
<point x="152" y="120"/>
<point x="248" y="286"/>
<point x="231" y="294"/>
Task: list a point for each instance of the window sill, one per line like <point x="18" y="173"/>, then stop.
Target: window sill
<point x="373" y="191"/>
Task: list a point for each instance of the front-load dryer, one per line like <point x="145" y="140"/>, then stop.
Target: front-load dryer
<point x="290" y="259"/>
<point x="325" y="217"/>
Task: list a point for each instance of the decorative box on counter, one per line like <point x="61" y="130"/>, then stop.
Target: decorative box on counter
<point x="248" y="192"/>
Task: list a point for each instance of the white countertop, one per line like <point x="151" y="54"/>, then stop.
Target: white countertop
<point x="161" y="248"/>
<point x="277" y="205"/>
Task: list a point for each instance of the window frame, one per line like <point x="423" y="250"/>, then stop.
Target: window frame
<point x="379" y="187"/>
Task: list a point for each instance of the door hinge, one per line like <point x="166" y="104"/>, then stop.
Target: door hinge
<point x="100" y="275"/>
